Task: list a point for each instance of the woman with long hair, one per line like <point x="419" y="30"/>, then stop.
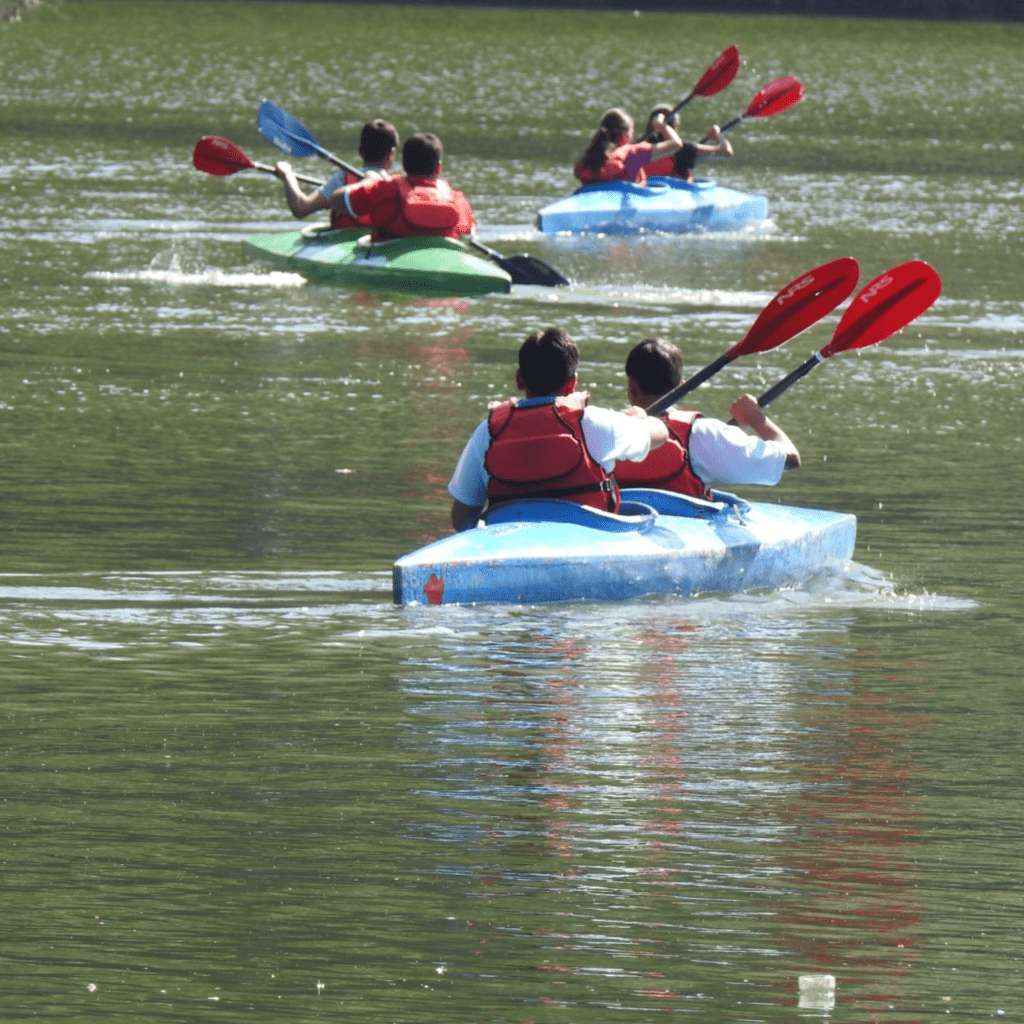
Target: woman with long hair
<point x="612" y="155"/>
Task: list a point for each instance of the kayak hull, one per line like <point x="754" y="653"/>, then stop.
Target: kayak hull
<point x="538" y="551"/>
<point x="663" y="204"/>
<point x="437" y="267"/>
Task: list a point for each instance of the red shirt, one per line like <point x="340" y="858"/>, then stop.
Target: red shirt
<point x="383" y="202"/>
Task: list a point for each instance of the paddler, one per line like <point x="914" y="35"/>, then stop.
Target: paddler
<point x="418" y="202"/>
<point x="551" y="443"/>
<point x="700" y="451"/>
<point x="680" y="164"/>
<point x="612" y="155"/>
<point x="378" y="143"/>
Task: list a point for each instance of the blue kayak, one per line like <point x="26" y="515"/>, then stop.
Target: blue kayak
<point x="540" y="550"/>
<point x="663" y="204"/>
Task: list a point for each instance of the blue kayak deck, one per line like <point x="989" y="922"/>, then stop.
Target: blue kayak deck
<point x="540" y="550"/>
<point x="663" y="204"/>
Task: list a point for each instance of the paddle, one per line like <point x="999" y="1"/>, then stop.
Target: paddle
<point x="222" y="157"/>
<point x="880" y="309"/>
<point x="721" y="72"/>
<point x="778" y="95"/>
<point x="292" y="137"/>
<point x="796" y="307"/>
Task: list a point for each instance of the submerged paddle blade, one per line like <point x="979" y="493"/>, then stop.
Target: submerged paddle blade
<point x="800" y="304"/>
<point x="214" y="155"/>
<point x="778" y="95"/>
<point x="285" y="132"/>
<point x="884" y="306"/>
<point x="526" y="269"/>
<point x="523" y="269"/>
<point x="719" y="74"/>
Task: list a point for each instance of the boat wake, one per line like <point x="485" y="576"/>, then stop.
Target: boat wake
<point x="214" y="278"/>
<point x="77" y="609"/>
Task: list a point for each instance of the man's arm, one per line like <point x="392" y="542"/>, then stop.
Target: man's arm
<point x="747" y="413"/>
<point x="299" y="203"/>
<point x="654" y="424"/>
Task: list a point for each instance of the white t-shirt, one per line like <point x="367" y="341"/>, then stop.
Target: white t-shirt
<point x="724" y="454"/>
<point x="609" y="436"/>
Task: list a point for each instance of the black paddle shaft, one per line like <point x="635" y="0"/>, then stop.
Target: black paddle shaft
<point x="670" y="397"/>
<point x="801" y="371"/>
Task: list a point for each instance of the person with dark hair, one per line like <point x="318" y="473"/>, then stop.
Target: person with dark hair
<point x="419" y="202"/>
<point x="551" y="443"/>
<point x="700" y="450"/>
<point x="612" y="155"/>
<point x="378" y="142"/>
<point x="680" y="164"/>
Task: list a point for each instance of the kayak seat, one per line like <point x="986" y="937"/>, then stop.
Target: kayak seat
<point x="407" y="244"/>
<point x="697" y="185"/>
<point x="626" y="187"/>
<point x="669" y="503"/>
<point x="634" y="515"/>
<point x="325" y="233"/>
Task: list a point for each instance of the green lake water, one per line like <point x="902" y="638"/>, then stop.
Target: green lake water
<point x="239" y="784"/>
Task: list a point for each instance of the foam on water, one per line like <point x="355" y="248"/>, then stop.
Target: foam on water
<point x="210" y="277"/>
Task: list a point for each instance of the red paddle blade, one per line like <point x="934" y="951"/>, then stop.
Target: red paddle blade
<point x="719" y="74"/>
<point x="885" y="306"/>
<point x="778" y="95"/>
<point x="800" y="304"/>
<point x="215" y="155"/>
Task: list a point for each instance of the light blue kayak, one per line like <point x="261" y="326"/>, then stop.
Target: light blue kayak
<point x="663" y="204"/>
<point x="542" y="550"/>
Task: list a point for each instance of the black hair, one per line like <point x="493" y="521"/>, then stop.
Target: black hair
<point x="547" y="359"/>
<point x="377" y="140"/>
<point x="655" y="365"/>
<point x="421" y="154"/>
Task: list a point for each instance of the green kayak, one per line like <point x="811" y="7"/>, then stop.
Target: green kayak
<point x="416" y="266"/>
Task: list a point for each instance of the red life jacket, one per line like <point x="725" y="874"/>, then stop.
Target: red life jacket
<point x="668" y="466"/>
<point x="538" y="451"/>
<point x="615" y="167"/>
<point x="663" y="168"/>
<point x="342" y="218"/>
<point x="425" y="207"/>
